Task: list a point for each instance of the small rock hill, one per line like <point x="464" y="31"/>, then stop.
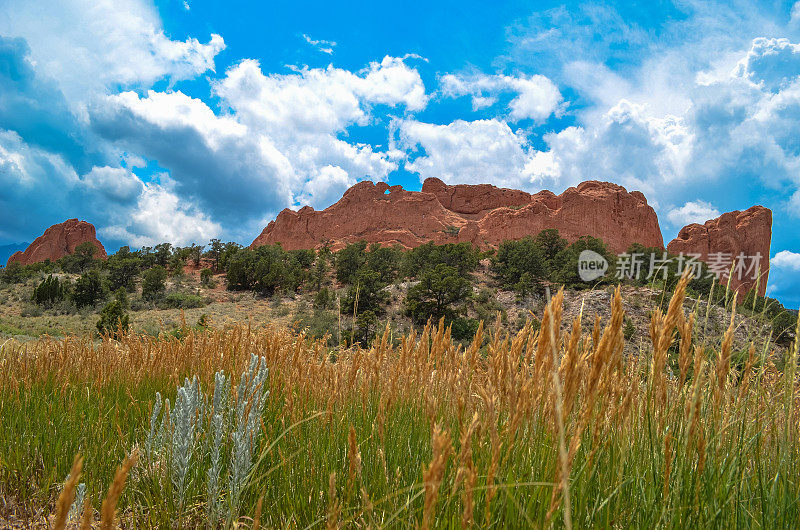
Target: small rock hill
<point x="58" y="241"/>
<point x="748" y="233"/>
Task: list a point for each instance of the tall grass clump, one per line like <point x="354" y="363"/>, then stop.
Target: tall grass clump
<point x="552" y="426"/>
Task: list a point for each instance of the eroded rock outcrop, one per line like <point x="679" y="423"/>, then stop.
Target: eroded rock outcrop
<point x="741" y="237"/>
<point x="598" y="209"/>
<point x="376" y="213"/>
<point x="469" y="199"/>
<point x="58" y="241"/>
<point x="480" y="214"/>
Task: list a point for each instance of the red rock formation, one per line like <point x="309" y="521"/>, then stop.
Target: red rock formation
<point x="483" y="215"/>
<point x="474" y="199"/>
<point x="58" y="241"/>
<point x="599" y="209"/>
<point x="376" y="213"/>
<point x="746" y="233"/>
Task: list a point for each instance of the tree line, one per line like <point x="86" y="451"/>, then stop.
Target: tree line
<point x="440" y="277"/>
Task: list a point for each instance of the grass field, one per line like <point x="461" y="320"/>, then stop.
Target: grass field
<point x="268" y="428"/>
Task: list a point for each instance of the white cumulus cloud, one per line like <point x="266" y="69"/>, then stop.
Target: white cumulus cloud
<point x="279" y="140"/>
<point x="326" y="187"/>
<point x="692" y="212"/>
<point x="116" y="183"/>
<point x="159" y="216"/>
<point x="537" y="97"/>
<point x="772" y="63"/>
<point x="786" y="259"/>
<point x="89" y="46"/>
<point x="467" y="151"/>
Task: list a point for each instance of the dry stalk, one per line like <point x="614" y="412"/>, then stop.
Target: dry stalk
<point x="668" y="453"/>
<point x="108" y="511"/>
<point x="562" y="486"/>
<point x="257" y="516"/>
<point x="353" y="456"/>
<point x="334" y="510"/>
<point x="67" y="496"/>
<point x="433" y="475"/>
<point x="87" y="515"/>
<point x="724" y="360"/>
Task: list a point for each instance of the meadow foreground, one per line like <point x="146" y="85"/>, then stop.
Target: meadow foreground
<point x="245" y="426"/>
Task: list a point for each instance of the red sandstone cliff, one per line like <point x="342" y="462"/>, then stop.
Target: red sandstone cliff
<point x="480" y="214"/>
<point x="474" y="199"/>
<point x="58" y="241"/>
<point x="746" y="233"/>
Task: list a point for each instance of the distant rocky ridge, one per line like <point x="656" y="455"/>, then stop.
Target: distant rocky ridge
<point x="486" y="215"/>
<point x="58" y="241"/>
<point x="480" y="214"/>
<point x="483" y="215"/>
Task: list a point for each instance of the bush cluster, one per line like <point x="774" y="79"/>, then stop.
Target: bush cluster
<point x="440" y="279"/>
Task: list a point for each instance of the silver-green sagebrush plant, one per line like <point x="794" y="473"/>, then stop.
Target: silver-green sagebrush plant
<point x="186" y="415"/>
<point x="174" y="446"/>
<point x="250" y="397"/>
<point x="216" y="437"/>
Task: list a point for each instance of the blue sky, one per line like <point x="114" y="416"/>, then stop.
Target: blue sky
<point x="185" y="120"/>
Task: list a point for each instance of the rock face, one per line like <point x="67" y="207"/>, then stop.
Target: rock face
<point x="598" y="209"/>
<point x="474" y="199"/>
<point x="480" y="214"/>
<point x="733" y="234"/>
<point x="58" y="241"/>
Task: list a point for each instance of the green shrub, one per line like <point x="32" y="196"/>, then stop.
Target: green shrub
<point x="463" y="329"/>
<point x="268" y="269"/>
<point x="320" y="267"/>
<point x="564" y="266"/>
<point x="162" y="253"/>
<point x="207" y="278"/>
<point x="366" y="294"/>
<point x="629" y="330"/>
<point x="464" y="257"/>
<point x="114" y="319"/>
<point x="762" y="304"/>
<point x="385" y="261"/>
<point x="320" y="324"/>
<point x="80" y="260"/>
<point x="365" y="328"/>
<point x="154" y="282"/>
<point x="176" y="265"/>
<point x="438" y="293"/>
<point x="323" y="298"/>
<point x="182" y="301"/>
<point x="50" y="291"/>
<point x="30" y="310"/>
<point x="123" y="269"/>
<point x="13" y="273"/>
<point x="88" y="289"/>
<point x="519" y="265"/>
<point x="784" y="326"/>
<point x="349" y="261"/>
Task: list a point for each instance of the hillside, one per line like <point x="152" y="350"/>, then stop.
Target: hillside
<point x="187" y="300"/>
